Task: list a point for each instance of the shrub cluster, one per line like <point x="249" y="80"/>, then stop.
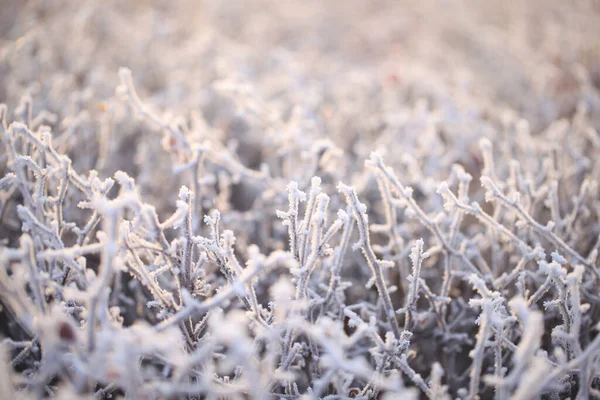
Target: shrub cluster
<point x="293" y="227"/>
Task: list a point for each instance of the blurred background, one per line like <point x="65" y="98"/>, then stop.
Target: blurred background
<point x="261" y="75"/>
<point x="523" y="53"/>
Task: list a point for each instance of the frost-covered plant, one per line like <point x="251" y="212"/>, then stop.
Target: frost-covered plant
<point x="225" y="225"/>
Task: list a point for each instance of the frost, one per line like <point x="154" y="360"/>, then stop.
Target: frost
<point x="299" y="200"/>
